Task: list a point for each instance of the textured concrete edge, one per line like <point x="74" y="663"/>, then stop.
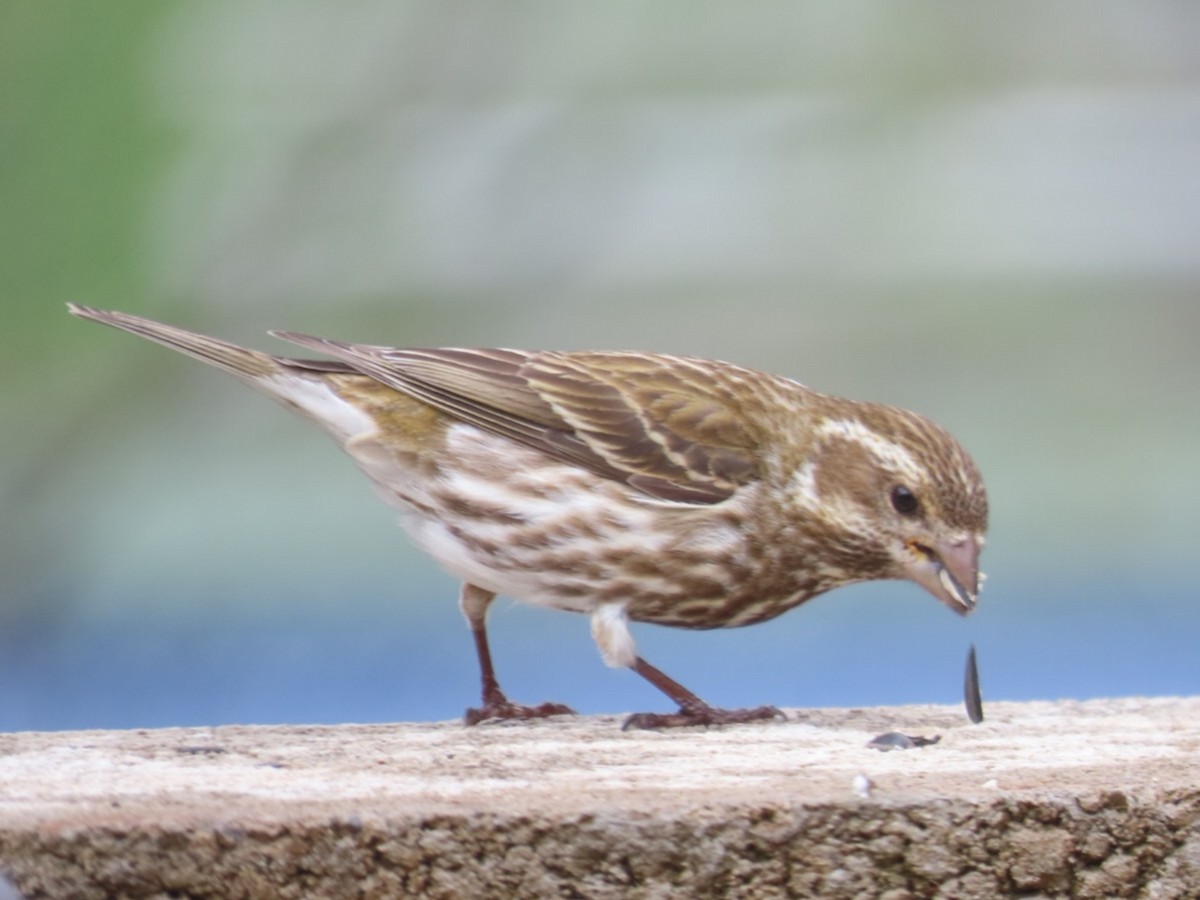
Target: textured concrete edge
<point x="1080" y="799"/>
<point x="1108" y="845"/>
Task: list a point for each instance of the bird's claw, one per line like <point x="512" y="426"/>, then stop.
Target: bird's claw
<point x="701" y="715"/>
<point x="509" y="710"/>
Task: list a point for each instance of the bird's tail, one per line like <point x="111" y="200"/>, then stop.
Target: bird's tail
<point x="248" y="364"/>
<point x="306" y="386"/>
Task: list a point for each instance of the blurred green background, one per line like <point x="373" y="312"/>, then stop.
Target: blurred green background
<point x="989" y="213"/>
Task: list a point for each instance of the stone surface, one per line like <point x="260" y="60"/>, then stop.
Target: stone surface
<point x="1095" y="799"/>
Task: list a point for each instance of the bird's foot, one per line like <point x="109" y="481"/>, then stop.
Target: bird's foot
<point x="701" y="715"/>
<point x="506" y="709"/>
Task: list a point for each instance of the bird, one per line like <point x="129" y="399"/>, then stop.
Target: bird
<point x="628" y="486"/>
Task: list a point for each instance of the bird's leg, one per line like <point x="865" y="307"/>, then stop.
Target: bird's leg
<point x="692" y="710"/>
<point x="474" y="603"/>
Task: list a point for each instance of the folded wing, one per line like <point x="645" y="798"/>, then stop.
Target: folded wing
<point x="671" y="427"/>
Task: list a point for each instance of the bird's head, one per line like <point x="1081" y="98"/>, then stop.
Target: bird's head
<point x="905" y="493"/>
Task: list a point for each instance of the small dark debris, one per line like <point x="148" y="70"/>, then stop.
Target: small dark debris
<point x="201" y="750"/>
<point x="894" y="740"/>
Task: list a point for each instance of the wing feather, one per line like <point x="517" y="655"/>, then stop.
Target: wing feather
<point x="671" y="427"/>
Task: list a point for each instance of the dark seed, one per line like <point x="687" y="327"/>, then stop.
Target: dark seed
<point x="195" y="750"/>
<point x="894" y="740"/>
<point x="971" y="695"/>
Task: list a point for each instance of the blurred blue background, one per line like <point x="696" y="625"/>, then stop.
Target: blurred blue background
<point x="988" y="213"/>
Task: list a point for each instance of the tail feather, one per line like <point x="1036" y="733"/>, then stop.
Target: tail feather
<point x="240" y="361"/>
<point x="304" y="386"/>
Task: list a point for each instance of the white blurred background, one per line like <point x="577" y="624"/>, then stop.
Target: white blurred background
<point x="989" y="213"/>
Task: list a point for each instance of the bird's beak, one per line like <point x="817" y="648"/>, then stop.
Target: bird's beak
<point x="947" y="569"/>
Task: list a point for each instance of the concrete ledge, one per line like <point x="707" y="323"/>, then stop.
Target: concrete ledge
<point x="1095" y="799"/>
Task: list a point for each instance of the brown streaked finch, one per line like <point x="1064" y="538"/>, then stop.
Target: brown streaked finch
<point x="629" y="486"/>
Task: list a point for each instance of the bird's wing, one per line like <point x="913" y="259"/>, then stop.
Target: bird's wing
<point x="674" y="428"/>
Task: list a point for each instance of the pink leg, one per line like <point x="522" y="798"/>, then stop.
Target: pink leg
<point x="474" y="603"/>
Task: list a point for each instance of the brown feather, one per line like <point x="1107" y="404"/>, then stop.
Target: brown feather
<point x="667" y="426"/>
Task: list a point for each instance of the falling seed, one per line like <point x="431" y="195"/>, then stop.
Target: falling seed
<point x="894" y="740"/>
<point x="971" y="695"/>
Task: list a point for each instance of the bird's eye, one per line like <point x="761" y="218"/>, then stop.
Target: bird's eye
<point x="905" y="501"/>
